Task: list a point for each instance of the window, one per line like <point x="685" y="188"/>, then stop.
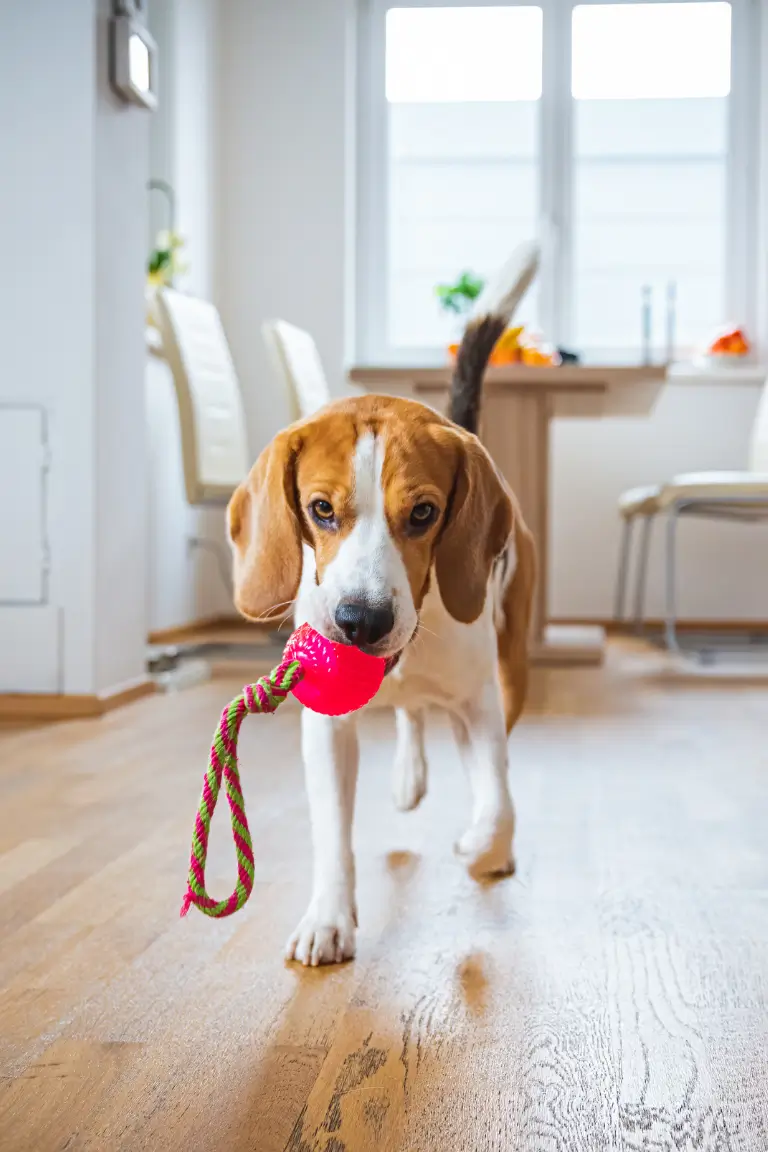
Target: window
<point x="619" y="133"/>
<point x="650" y="144"/>
<point x="463" y="152"/>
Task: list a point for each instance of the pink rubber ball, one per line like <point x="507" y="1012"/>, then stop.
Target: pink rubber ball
<point x="337" y="677"/>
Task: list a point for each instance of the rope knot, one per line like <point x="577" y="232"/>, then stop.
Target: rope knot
<point x="268" y="693"/>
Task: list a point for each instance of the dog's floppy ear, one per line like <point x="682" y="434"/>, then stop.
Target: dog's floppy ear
<point x="265" y="534"/>
<point x="478" y="526"/>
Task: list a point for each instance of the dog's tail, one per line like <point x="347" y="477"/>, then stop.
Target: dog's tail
<point x="478" y="342"/>
<point x="495" y="309"/>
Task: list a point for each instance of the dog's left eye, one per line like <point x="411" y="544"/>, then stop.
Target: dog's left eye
<point x="423" y="514"/>
<point x="322" y="511"/>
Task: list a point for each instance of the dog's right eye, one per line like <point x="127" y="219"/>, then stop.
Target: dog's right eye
<point x="322" y="511"/>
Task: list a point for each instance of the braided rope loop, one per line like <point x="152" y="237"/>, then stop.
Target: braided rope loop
<point x="264" y="696"/>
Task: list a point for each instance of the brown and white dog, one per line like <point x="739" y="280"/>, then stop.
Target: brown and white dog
<point x="384" y="521"/>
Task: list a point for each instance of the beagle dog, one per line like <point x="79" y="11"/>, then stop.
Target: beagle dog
<point x="389" y="527"/>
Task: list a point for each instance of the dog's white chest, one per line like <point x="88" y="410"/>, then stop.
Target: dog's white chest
<point x="444" y="664"/>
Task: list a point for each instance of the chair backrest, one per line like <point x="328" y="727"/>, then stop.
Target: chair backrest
<point x="214" y="441"/>
<point x="297" y="360"/>
<point x="758" y="454"/>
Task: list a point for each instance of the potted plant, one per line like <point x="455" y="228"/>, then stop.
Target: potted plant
<point x="458" y="298"/>
<point x="163" y="264"/>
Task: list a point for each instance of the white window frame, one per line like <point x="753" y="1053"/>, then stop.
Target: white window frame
<point x="555" y="173"/>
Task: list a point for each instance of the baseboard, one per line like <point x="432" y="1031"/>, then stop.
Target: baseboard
<point x="653" y="624"/>
<point x="231" y="631"/>
<point x="185" y="633"/>
<point x="37" y="706"/>
<point x="125" y="694"/>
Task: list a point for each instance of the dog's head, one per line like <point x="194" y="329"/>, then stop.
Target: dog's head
<point x="384" y="491"/>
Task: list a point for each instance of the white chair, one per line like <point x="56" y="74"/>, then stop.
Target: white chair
<point x="295" y="356"/>
<point x="635" y="504"/>
<point x="211" y="415"/>
<point x="214" y="443"/>
<point x="741" y="496"/>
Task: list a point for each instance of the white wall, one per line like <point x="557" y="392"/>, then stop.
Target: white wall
<point x="160" y="20"/>
<point x="694" y="427"/>
<point x="184" y="584"/>
<point x="182" y="135"/>
<point x="195" y="102"/>
<point x="121" y="173"/>
<point x="761" y="260"/>
<point x="46" y="317"/>
<point x="286" y="197"/>
<point x="71" y="213"/>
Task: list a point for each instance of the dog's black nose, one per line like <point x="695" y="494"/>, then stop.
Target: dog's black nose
<point x="364" y="623"/>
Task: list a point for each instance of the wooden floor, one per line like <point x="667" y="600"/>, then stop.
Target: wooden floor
<point x="614" y="995"/>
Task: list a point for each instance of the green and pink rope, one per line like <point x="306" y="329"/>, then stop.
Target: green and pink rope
<point x="266" y="695"/>
<point x="326" y="677"/>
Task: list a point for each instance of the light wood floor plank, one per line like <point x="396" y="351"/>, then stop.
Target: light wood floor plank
<point x="612" y="997"/>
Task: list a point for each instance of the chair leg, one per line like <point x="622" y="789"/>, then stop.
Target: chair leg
<point x="670" y="628"/>
<point x="642" y="573"/>
<point x="621" y="580"/>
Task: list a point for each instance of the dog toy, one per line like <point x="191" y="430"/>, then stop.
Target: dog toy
<point x="326" y="677"/>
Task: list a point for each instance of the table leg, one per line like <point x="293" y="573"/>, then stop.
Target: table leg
<point x="515" y="430"/>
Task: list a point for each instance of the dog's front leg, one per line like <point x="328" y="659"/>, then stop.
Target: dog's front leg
<point x="481" y="735"/>
<point x="326" y="933"/>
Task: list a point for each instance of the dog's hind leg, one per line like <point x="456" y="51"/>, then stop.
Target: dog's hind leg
<point x="486" y="846"/>
<point x="409" y="782"/>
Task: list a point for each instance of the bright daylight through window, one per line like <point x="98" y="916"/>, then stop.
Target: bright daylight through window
<point x="605" y="130"/>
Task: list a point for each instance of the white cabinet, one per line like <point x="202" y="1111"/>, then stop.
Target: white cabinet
<point x="23" y="519"/>
<point x="29" y="624"/>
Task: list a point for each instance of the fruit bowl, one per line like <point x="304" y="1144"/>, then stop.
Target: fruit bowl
<point x="515" y="347"/>
<point x="729" y="345"/>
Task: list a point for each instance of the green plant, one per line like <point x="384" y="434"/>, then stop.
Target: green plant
<point x="164" y="264"/>
<point x="459" y="297"/>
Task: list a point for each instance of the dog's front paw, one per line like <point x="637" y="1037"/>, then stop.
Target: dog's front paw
<point x="486" y="847"/>
<point x="324" y="935"/>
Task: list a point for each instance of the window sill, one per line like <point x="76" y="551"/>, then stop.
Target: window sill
<point x="701" y="372"/>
